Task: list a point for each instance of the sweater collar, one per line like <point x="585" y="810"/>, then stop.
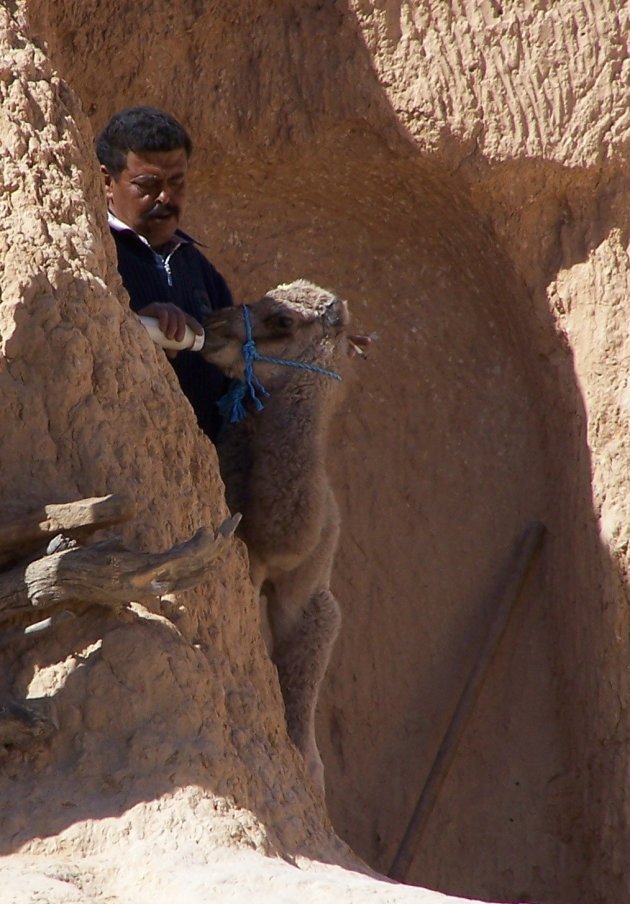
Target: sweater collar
<point x="179" y="236"/>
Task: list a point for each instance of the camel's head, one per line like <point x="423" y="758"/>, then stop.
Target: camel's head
<point x="299" y="322"/>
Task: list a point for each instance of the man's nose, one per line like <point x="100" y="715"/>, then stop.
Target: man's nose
<point x="164" y="196"/>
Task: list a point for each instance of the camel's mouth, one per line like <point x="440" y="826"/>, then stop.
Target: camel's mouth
<point x="336" y="316"/>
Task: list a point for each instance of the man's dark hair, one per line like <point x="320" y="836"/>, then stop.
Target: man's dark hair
<point x="139" y="129"/>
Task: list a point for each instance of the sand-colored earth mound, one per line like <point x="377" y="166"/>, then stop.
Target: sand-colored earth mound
<point x="458" y="172"/>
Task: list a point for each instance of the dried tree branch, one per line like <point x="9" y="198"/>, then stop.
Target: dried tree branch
<point x="20" y="534"/>
<point x="107" y="574"/>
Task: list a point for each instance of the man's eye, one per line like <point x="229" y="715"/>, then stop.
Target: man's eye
<point x="146" y="188"/>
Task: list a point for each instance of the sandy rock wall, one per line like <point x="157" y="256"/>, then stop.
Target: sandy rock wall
<point x="530" y="80"/>
<point x="148" y="725"/>
<point x="529" y="103"/>
<point x="457" y="173"/>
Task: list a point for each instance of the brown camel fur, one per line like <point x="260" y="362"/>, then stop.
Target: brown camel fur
<point x="273" y="466"/>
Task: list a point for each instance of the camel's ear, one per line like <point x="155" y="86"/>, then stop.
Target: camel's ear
<point x="336" y="315"/>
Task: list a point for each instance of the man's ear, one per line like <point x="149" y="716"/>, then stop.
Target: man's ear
<point x="108" y="180"/>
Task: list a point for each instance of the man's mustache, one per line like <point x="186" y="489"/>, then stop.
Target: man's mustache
<point x="162" y="210"/>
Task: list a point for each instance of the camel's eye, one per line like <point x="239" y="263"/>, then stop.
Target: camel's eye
<point x="280" y="323"/>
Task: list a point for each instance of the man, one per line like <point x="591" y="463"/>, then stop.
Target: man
<point x="144" y="155"/>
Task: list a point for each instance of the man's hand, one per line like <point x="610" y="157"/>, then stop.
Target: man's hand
<point x="172" y="321"/>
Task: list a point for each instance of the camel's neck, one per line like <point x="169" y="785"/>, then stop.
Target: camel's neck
<point x="298" y="412"/>
<point x="274" y="465"/>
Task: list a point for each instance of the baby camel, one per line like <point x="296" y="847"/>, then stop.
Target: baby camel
<point x="273" y="466"/>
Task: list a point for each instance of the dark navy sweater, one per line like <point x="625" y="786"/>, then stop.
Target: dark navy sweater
<point x="187" y="279"/>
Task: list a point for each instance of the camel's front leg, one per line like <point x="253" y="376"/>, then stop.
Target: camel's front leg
<point x="302" y="657"/>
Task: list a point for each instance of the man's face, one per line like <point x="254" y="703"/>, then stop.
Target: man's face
<point x="149" y="193"/>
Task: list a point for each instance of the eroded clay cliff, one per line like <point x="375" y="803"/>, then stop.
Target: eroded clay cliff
<point x="457" y="172"/>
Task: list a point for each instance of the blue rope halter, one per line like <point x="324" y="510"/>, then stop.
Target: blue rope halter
<point x="231" y="404"/>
